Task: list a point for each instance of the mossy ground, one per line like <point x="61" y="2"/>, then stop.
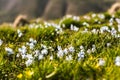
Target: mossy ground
<point x="72" y="48"/>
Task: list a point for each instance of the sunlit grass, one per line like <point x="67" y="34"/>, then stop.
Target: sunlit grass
<point x="74" y="48"/>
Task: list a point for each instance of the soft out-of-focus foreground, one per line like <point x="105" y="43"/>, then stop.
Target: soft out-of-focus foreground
<point x="50" y="9"/>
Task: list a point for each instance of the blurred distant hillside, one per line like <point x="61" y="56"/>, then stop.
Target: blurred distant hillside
<point x="50" y="9"/>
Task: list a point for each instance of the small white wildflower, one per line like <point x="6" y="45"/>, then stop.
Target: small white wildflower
<point x="86" y="17"/>
<point x="22" y="50"/>
<point x="1" y="42"/>
<point x="51" y="57"/>
<point x="65" y="51"/>
<point x="74" y="28"/>
<point x="101" y="16"/>
<point x="76" y="18"/>
<point x="89" y="51"/>
<point x="29" y="56"/>
<point x="81" y="47"/>
<point x="93" y="48"/>
<point x="108" y="44"/>
<point x="93" y="15"/>
<point x="95" y="31"/>
<point x="117" y="61"/>
<point x="31" y="45"/>
<point x="119" y="27"/>
<point x="23" y="56"/>
<point x="71" y="49"/>
<point x="111" y="21"/>
<point x="40" y="56"/>
<point x="99" y="22"/>
<point x="59" y="48"/>
<point x="101" y="62"/>
<point x="28" y="62"/>
<point x="60" y="53"/>
<point x="86" y="24"/>
<point x="104" y="28"/>
<point x="18" y="55"/>
<point x="32" y="25"/>
<point x="44" y="51"/>
<point x="31" y="40"/>
<point x="81" y="54"/>
<point x="117" y="36"/>
<point x="113" y="31"/>
<point x="68" y="16"/>
<point x="117" y="20"/>
<point x="9" y="50"/>
<point x="110" y="24"/>
<point x="19" y="33"/>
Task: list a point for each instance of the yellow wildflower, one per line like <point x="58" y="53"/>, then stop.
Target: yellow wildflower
<point x="19" y="76"/>
<point x="29" y="73"/>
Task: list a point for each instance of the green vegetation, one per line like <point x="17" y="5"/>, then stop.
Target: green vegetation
<point x="73" y="48"/>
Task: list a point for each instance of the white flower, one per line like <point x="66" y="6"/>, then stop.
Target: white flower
<point x="108" y="44"/>
<point x="51" y="57"/>
<point x="23" y="56"/>
<point x="93" y="48"/>
<point x="71" y="49"/>
<point x="74" y="28"/>
<point x="119" y="27"/>
<point x="9" y="50"/>
<point x="31" y="40"/>
<point x="93" y="15"/>
<point x="117" y="20"/>
<point x="81" y="47"/>
<point x="113" y="31"/>
<point x="40" y="56"/>
<point x="111" y="22"/>
<point x="86" y="24"/>
<point x="59" y="48"/>
<point x="81" y="54"/>
<point x="65" y="51"/>
<point x="101" y="62"/>
<point x="28" y="62"/>
<point x="22" y="50"/>
<point x="43" y="46"/>
<point x="117" y="61"/>
<point x="60" y="53"/>
<point x="31" y="45"/>
<point x="89" y="51"/>
<point x="104" y="28"/>
<point x="95" y="31"/>
<point x="19" y="33"/>
<point x="76" y="18"/>
<point x="18" y="55"/>
<point x="1" y="42"/>
<point x="44" y="51"/>
<point x="86" y="17"/>
<point x="29" y="56"/>
<point x="101" y="16"/>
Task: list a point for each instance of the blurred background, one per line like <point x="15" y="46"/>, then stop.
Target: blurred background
<point x="50" y="9"/>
